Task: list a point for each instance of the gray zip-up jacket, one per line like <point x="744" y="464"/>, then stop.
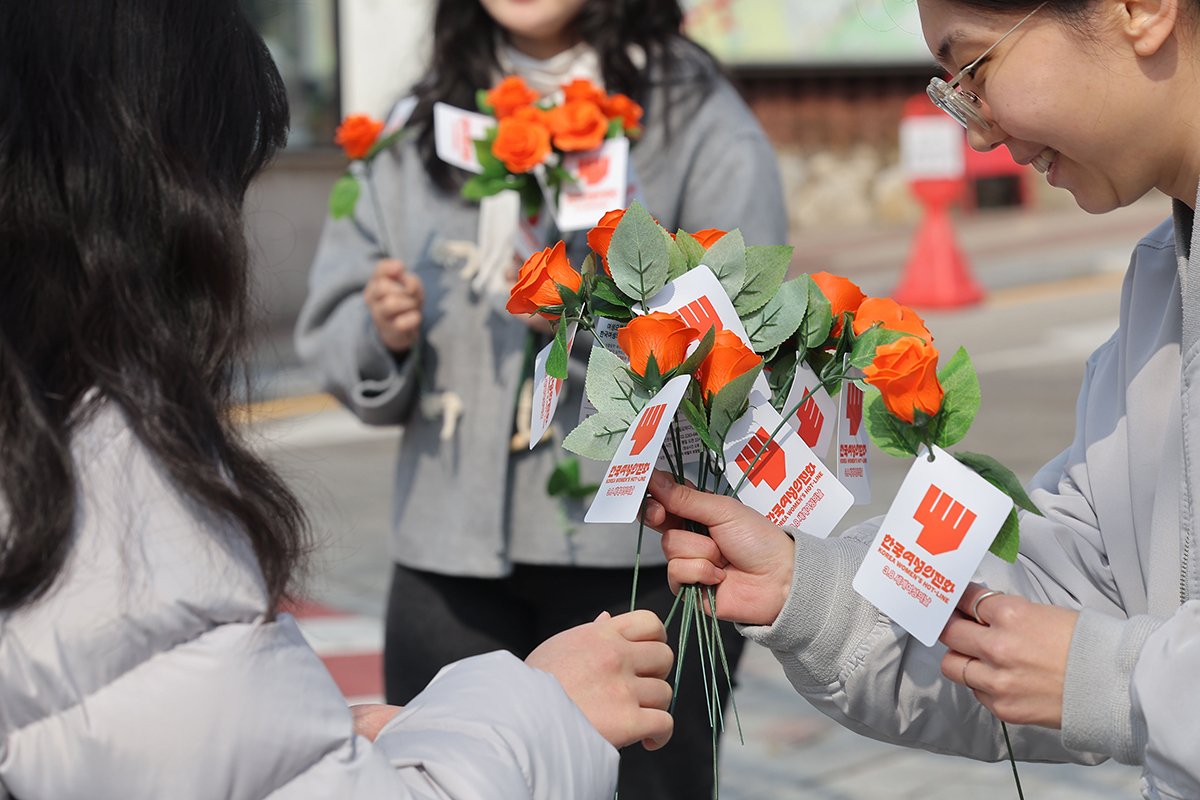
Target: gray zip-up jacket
<point x="1117" y="543"/>
<point x="469" y="506"/>
<point x="150" y="672"/>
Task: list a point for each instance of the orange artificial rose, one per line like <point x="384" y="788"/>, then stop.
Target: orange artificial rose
<point x="521" y="142"/>
<point x="664" y="335"/>
<point x="729" y="358"/>
<point x="577" y="125"/>
<point x="708" y="237"/>
<point x="536" y="283"/>
<point x="618" y="105"/>
<point x="905" y="373"/>
<point x="892" y="315"/>
<point x="581" y="89"/>
<point x="842" y="295"/>
<point x="357" y="134"/>
<point x="509" y="95"/>
<point x="599" y="237"/>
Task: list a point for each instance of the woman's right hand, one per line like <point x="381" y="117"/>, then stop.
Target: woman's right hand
<point x="615" y="670"/>
<point x="394" y="296"/>
<point x="748" y="558"/>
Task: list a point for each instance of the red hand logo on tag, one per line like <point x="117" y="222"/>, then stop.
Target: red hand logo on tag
<point x="463" y="139"/>
<point x="854" y="404"/>
<point x="945" y="519"/>
<point x="701" y="315"/>
<point x="593" y="170"/>
<point x="771" y="466"/>
<point x="647" y="425"/>
<point x="811" y="421"/>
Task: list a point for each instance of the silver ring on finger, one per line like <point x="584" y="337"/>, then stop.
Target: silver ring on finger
<point x="980" y="599"/>
<point x="964" y="673"/>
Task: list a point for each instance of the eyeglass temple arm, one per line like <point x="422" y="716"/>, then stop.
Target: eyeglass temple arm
<point x="954" y="81"/>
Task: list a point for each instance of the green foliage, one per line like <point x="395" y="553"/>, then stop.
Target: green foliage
<point x="730" y="403"/>
<point x="960" y="401"/>
<point x="482" y="104"/>
<point x="699" y="421"/>
<point x="638" y="257"/>
<point x="607" y="300"/>
<point x="727" y="260"/>
<point x="692" y="362"/>
<point x="597" y="437"/>
<point x="771" y="325"/>
<point x="999" y="476"/>
<point x="766" y="267"/>
<point x="1008" y="540"/>
<point x="565" y="481"/>
<point x="556" y="362"/>
<point x="818" y="316"/>
<point x="610" y="388"/>
<point x="387" y="141"/>
<point x="689" y="250"/>
<point x="891" y="435"/>
<point x="863" y="352"/>
<point x="344" y="196"/>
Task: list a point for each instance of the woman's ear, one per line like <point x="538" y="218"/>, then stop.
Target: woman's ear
<point x="1148" y="23"/>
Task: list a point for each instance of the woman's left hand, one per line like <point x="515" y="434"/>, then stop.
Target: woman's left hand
<point x="1016" y="660"/>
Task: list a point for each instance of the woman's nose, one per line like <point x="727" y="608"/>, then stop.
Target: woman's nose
<point x="984" y="140"/>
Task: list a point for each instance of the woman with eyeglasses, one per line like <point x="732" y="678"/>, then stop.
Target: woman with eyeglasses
<point x="1089" y="646"/>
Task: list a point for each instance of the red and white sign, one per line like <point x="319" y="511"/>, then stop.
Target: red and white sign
<point x="936" y="532"/>
<point x="620" y="494"/>
<point x="455" y="131"/>
<point x="546" y="390"/>
<point x="601" y="178"/>
<point x="853" y="452"/>
<point x="816" y="418"/>
<point x="787" y="483"/>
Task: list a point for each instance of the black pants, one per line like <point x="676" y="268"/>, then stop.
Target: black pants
<point x="434" y="619"/>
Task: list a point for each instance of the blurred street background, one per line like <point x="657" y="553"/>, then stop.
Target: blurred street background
<point x="830" y="96"/>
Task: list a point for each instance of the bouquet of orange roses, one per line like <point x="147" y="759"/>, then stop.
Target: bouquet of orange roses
<point x="708" y="362"/>
<point x="539" y="145"/>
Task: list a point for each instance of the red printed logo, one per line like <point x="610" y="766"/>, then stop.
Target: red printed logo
<point x="701" y="315"/>
<point x="771" y="466"/>
<point x="811" y="420"/>
<point x="593" y="169"/>
<point x="854" y="403"/>
<point x="646" y="427"/>
<point x="945" y="519"/>
<point x="463" y="140"/>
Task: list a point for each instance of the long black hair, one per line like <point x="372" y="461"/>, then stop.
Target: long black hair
<point x="464" y="59"/>
<point x="129" y="133"/>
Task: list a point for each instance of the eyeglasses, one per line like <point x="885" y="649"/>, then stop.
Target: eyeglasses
<point x="964" y="106"/>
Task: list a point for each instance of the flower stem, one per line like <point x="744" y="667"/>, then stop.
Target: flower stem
<point x="1012" y="760"/>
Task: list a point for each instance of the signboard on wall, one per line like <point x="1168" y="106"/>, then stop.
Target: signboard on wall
<point x="810" y="33"/>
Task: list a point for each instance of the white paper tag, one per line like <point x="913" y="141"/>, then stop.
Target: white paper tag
<point x="699" y="299"/>
<point x="601" y="178"/>
<point x="455" y="131"/>
<point x="533" y="233"/>
<point x="853" y="452"/>
<point x="936" y="532"/>
<point x="815" y="419"/>
<point x="620" y="494"/>
<point x="403" y="109"/>
<point x="546" y="390"/>
<point x="788" y="483"/>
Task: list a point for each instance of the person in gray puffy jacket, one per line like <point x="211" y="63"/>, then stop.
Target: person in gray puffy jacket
<point x="1092" y="652"/>
<point x="144" y="549"/>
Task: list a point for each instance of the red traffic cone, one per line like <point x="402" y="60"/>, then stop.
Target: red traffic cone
<point x="936" y="274"/>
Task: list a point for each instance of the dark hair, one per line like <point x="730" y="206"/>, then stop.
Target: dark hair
<point x="464" y="59"/>
<point x="130" y="132"/>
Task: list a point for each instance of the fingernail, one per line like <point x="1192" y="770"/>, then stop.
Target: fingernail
<point x="603" y="616"/>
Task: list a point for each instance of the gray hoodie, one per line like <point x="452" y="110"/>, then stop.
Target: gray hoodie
<point x="1117" y="544"/>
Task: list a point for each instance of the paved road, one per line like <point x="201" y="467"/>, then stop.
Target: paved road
<point x="1054" y="282"/>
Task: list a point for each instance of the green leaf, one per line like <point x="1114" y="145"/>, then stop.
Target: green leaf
<point x="863" y="352"/>
<point x="386" y="142"/>
<point x="344" y="196"/>
<point x="637" y="255"/>
<point x="727" y="260"/>
<point x="556" y="362"/>
<point x="960" y="400"/>
<point x="597" y="437"/>
<point x="999" y="476"/>
<point x="588" y="267"/>
<point x="482" y="104"/>
<point x="565" y="481"/>
<point x="699" y="421"/>
<point x="766" y="267"/>
<point x="691" y="249"/>
<point x="692" y="362"/>
<point x="607" y="300"/>
<point x="610" y="388"/>
<point x="478" y="187"/>
<point x="1008" y="540"/>
<point x="730" y="403"/>
<point x="771" y="325"/>
<point x="616" y="127"/>
<point x="891" y="435"/>
<point x="818" y="316"/>
<point x="492" y="166"/>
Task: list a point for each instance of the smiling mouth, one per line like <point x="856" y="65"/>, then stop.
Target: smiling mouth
<point x="1043" y="160"/>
